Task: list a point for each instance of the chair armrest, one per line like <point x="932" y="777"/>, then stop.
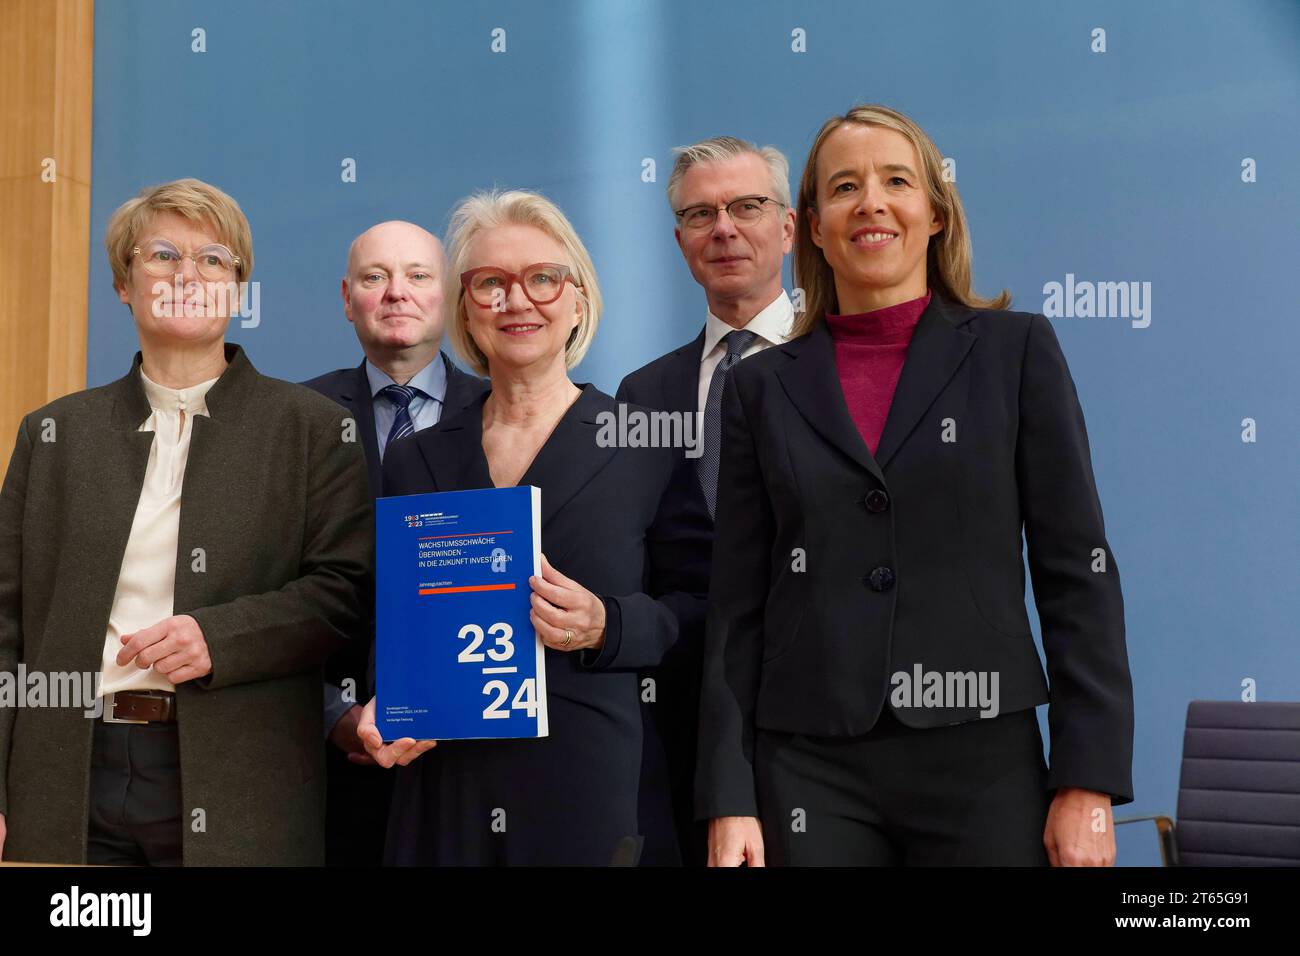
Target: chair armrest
<point x="1166" y="831"/>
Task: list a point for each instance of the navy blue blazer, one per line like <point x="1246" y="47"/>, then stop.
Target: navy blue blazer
<point x="671" y="383"/>
<point x="351" y="388"/>
<point x="600" y="775"/>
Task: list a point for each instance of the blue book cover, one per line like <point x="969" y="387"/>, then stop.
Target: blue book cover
<point x="456" y="656"/>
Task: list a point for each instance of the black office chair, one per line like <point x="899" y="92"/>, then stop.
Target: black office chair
<point x="1239" y="788"/>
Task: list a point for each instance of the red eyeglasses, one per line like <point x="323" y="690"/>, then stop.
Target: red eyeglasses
<point x="542" y="282"/>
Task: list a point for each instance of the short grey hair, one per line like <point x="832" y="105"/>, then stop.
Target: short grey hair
<point x="722" y="148"/>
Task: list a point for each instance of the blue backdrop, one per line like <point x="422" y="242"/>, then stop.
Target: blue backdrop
<point x="1117" y="166"/>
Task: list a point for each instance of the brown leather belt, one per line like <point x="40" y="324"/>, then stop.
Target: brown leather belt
<point x="140" y="707"/>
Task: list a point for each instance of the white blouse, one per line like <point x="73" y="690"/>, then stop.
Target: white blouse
<point x="147" y="582"/>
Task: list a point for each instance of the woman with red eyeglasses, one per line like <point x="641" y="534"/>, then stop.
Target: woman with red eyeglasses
<point x="624" y="566"/>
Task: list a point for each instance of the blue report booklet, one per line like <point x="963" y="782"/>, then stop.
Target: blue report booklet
<point x="456" y="656"/>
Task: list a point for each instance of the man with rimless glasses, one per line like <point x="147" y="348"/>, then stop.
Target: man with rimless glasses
<point x="735" y="225"/>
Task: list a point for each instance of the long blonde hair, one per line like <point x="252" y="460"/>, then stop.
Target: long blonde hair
<point x="948" y="258"/>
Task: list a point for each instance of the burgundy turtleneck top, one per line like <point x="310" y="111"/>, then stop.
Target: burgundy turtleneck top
<point x="869" y="352"/>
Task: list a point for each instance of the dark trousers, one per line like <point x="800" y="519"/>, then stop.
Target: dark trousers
<point x="676" y="717"/>
<point x="135" y="796"/>
<point x="968" y="794"/>
<point x="357" y="799"/>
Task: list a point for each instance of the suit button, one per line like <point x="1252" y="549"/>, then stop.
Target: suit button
<point x="876" y="501"/>
<point x="881" y="579"/>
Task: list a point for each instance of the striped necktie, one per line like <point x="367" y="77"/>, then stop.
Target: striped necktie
<point x="400" y="396"/>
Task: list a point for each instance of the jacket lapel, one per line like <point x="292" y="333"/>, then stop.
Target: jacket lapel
<point x="462" y="389"/>
<point x="355" y="394"/>
<point x="214" y="438"/>
<point x="682" y="380"/>
<point x="453" y="449"/>
<point x="571" y="457"/>
<point x="813" y="385"/>
<point x="121" y="456"/>
<point x="937" y="348"/>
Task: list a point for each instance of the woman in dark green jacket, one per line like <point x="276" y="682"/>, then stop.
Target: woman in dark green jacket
<point x="197" y="537"/>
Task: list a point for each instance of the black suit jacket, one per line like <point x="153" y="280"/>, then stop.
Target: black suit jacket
<point x="913" y="555"/>
<point x="608" y="524"/>
<point x="357" y="797"/>
<point x="671" y="383"/>
<point x="351" y="388"/>
<point x="650" y="575"/>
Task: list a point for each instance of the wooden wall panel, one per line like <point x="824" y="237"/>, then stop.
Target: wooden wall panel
<point x="46" y="72"/>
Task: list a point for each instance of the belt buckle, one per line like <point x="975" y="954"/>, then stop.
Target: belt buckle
<point x="110" y="702"/>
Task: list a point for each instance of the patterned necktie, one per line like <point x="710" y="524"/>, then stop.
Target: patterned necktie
<point x="711" y="455"/>
<point x="400" y="396"/>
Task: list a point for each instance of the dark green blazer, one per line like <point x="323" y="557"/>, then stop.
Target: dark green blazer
<point x="275" y="495"/>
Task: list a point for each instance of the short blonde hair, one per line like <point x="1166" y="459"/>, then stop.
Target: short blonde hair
<point x="948" y="257"/>
<point x="719" y="149"/>
<point x="517" y="207"/>
<point x="194" y="199"/>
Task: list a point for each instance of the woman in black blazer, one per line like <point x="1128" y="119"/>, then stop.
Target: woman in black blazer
<point x="870" y="674"/>
<point x="523" y="310"/>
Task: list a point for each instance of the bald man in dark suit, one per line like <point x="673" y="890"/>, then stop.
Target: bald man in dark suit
<point x="392" y="295"/>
